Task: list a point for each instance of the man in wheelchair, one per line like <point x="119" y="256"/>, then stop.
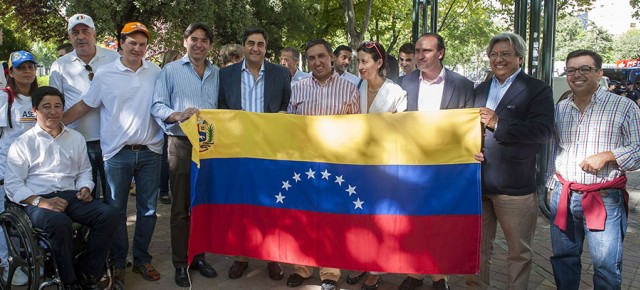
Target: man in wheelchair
<point x="48" y="171"/>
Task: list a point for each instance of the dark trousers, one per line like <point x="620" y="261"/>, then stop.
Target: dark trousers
<point x="99" y="217"/>
<point x="179" y="156"/>
<point x="97" y="168"/>
<point x="164" y="170"/>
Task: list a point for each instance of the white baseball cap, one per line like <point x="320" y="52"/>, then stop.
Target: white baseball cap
<point x="80" y="19"/>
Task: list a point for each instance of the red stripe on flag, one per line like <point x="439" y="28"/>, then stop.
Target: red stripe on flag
<point x="443" y="244"/>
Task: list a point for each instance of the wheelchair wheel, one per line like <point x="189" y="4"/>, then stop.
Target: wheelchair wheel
<point x="23" y="249"/>
<point x="117" y="285"/>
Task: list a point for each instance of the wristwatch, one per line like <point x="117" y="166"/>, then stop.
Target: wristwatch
<point x="36" y="201"/>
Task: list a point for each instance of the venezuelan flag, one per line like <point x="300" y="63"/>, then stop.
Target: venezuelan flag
<point x="380" y="192"/>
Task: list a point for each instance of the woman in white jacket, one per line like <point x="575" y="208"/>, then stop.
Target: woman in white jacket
<point x="378" y="94"/>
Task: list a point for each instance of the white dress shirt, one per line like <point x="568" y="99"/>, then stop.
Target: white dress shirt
<point x="350" y="77"/>
<point x="430" y="93"/>
<point x="39" y="164"/>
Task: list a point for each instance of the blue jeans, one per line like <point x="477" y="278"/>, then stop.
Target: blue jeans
<point x="97" y="168"/>
<point x="605" y="246"/>
<point x="144" y="165"/>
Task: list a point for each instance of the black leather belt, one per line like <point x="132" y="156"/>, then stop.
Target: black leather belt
<point x="136" y="147"/>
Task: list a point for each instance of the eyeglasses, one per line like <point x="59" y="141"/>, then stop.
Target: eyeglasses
<point x="584" y="70"/>
<point x="503" y="55"/>
<point x="90" y="70"/>
<point x="372" y="44"/>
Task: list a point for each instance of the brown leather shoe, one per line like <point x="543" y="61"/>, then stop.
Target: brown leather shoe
<point x="237" y="269"/>
<point x="275" y="271"/>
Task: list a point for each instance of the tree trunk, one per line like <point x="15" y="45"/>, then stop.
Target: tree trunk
<point x="354" y="37"/>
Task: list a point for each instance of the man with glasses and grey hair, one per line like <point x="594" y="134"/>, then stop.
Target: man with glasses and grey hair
<point x="517" y="113"/>
<point x="72" y="75"/>
<point x="596" y="141"/>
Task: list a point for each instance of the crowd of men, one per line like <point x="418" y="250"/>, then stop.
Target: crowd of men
<point x="117" y="108"/>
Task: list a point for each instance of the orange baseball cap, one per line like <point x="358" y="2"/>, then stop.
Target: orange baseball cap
<point x="132" y="27"/>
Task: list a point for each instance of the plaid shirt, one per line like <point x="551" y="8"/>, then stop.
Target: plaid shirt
<point x="609" y="123"/>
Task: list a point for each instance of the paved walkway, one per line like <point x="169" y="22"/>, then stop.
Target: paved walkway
<point x="256" y="277"/>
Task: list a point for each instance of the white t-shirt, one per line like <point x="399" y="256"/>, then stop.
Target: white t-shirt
<point x="22" y="119"/>
<point x="124" y="98"/>
<point x="68" y="74"/>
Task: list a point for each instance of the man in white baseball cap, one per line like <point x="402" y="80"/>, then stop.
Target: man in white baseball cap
<point x="72" y="75"/>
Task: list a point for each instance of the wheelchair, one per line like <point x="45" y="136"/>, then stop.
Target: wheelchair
<point x="30" y="250"/>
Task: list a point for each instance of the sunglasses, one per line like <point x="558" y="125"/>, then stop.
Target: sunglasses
<point x="373" y="44"/>
<point x="90" y="70"/>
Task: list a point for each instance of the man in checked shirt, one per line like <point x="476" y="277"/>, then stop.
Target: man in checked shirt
<point x="596" y="141"/>
<point x="324" y="93"/>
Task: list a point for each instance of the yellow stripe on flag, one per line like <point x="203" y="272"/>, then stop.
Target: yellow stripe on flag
<point x="406" y="138"/>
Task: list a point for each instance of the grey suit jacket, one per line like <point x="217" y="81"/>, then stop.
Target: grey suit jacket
<point x="277" y="87"/>
<point x="458" y="91"/>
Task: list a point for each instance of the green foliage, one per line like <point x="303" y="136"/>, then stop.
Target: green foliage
<point x="14" y="38"/>
<point x="626" y="45"/>
<point x="43" y="81"/>
<point x="635" y="4"/>
<point x="571" y="35"/>
<point x="467" y="27"/>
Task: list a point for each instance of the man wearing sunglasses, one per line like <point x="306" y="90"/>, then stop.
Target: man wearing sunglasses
<point x="72" y="75"/>
<point x="517" y="112"/>
<point x="596" y="141"/>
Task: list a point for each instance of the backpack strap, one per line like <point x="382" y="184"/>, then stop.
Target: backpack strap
<point x="10" y="99"/>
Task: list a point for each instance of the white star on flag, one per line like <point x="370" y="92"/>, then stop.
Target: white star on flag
<point x="358" y="204"/>
<point x="285" y="185"/>
<point x="296" y="177"/>
<point x="310" y="174"/>
<point x="280" y="198"/>
<point x="325" y="174"/>
<point x="351" y="190"/>
<point x="339" y="180"/>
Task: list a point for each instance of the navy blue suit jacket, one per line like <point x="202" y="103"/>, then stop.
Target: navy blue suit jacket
<point x="525" y="122"/>
<point x="277" y="87"/>
<point x="458" y="91"/>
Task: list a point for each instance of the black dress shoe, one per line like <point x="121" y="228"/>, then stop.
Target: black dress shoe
<point x="182" y="279"/>
<point x="440" y="285"/>
<point x="237" y="269"/>
<point x="328" y="284"/>
<point x="371" y="287"/>
<point x="410" y="283"/>
<point x="295" y="280"/>
<point x="353" y="280"/>
<point x="275" y="271"/>
<point x="88" y="282"/>
<point x="204" y="268"/>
